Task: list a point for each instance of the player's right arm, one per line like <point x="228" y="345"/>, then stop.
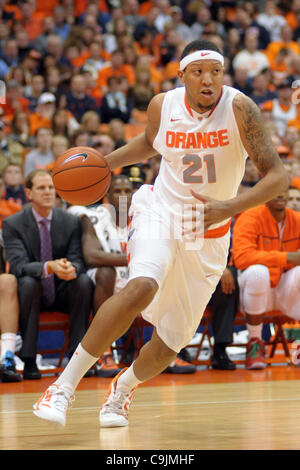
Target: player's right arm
<point x="93" y="253"/>
<point x="140" y="147"/>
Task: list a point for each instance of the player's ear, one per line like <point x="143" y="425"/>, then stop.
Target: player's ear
<point x="180" y="75"/>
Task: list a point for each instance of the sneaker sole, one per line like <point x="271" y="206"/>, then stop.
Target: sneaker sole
<point x="116" y="422"/>
<point x="257" y="365"/>
<point x="48" y="416"/>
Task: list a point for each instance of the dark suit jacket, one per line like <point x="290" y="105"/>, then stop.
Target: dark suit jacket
<point x="22" y="242"/>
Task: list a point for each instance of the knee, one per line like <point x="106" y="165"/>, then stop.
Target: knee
<point x="143" y="288"/>
<point x="83" y="283"/>
<point x="105" y="276"/>
<point x="257" y="279"/>
<point x="29" y="286"/>
<point x="161" y="353"/>
<point x="296" y="271"/>
<point x="8" y="284"/>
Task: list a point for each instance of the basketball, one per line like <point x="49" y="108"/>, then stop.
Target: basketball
<point x="81" y="176"/>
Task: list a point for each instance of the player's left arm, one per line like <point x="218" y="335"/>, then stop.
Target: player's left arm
<point x="261" y="150"/>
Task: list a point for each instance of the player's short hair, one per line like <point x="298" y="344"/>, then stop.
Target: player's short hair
<point x="199" y="45"/>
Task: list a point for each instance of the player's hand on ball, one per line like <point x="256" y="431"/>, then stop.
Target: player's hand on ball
<point x="214" y="211"/>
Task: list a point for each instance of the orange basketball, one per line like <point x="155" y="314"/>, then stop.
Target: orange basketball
<point x="81" y="176"/>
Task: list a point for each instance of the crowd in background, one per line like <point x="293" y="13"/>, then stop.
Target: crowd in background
<point x="82" y="73"/>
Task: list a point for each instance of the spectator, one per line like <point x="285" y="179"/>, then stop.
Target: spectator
<point x="131" y="13"/>
<point x="24" y="44"/>
<point x="183" y="30"/>
<point x="91" y="88"/>
<point x="53" y="81"/>
<point x="7" y="208"/>
<point x="245" y="22"/>
<point x="92" y="10"/>
<point x="282" y="109"/>
<point x="266" y="251"/>
<point x="115" y="103"/>
<point x="43" y="247"/>
<point x="294" y="199"/>
<point x="40" y="43"/>
<point x="97" y="59"/>
<point x="31" y="20"/>
<point x="271" y="20"/>
<point x="20" y="130"/>
<point x="59" y="145"/>
<point x="55" y="48"/>
<point x="260" y="89"/>
<point x="63" y="123"/>
<point x="37" y="87"/>
<point x="250" y="57"/>
<point x="148" y="24"/>
<point x="285" y="45"/>
<point x="44" y="113"/>
<point x="10" y="150"/>
<point x="163" y="16"/>
<point x="232" y="43"/>
<point x="116" y="69"/>
<point x="103" y="143"/>
<point x="142" y="92"/>
<point x="241" y="80"/>
<point x="80" y="137"/>
<point x="41" y="155"/>
<point x="13" y="179"/>
<point x="61" y="28"/>
<point x="117" y="132"/>
<point x="9" y="57"/>
<point x="9" y="323"/>
<point x="15" y="101"/>
<point x="91" y="122"/>
<point x="77" y="101"/>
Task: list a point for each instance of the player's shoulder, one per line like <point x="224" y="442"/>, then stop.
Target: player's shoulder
<point x="77" y="210"/>
<point x="101" y="211"/>
<point x="157" y="100"/>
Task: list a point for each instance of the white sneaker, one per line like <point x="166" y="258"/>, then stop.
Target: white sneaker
<point x="114" y="412"/>
<point x="53" y="405"/>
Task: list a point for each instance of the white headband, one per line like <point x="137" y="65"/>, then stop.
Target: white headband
<point x="201" y="55"/>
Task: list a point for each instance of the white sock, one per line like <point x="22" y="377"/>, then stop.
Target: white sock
<point x="254" y="330"/>
<point x="79" y="364"/>
<point x="8" y="343"/>
<point x="128" y="380"/>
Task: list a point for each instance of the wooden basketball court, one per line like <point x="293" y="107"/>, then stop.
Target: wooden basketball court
<point x="209" y="410"/>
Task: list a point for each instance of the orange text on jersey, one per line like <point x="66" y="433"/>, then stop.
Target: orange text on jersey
<point x="187" y="140"/>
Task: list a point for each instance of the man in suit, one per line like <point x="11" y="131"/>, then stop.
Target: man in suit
<point x="43" y="247"/>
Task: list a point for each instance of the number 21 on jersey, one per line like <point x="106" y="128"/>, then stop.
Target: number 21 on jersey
<point x="197" y="165"/>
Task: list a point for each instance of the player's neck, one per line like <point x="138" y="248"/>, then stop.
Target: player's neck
<point x="204" y="110"/>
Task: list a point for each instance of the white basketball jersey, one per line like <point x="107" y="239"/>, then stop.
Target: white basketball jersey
<point x="205" y="154"/>
<point x="110" y="237"/>
<point x="282" y="117"/>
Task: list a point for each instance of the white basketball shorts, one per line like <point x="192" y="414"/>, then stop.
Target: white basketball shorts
<point x="186" y="277"/>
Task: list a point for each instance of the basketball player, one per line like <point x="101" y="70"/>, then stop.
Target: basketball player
<point x="204" y="132"/>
